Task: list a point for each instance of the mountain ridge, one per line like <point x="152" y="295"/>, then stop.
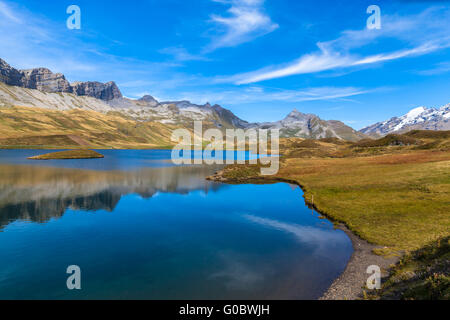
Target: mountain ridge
<point x="40" y="87"/>
<point x="310" y="126"/>
<point x="45" y="80"/>
<point x="419" y="118"/>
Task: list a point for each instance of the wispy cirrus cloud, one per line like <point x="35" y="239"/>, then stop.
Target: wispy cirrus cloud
<point x="180" y="53"/>
<point x="28" y="40"/>
<point x="417" y="35"/>
<point x="256" y="94"/>
<point x="8" y="14"/>
<point x="440" y="68"/>
<point x="246" y="20"/>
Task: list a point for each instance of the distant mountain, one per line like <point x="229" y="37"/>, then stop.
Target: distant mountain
<point x="149" y="100"/>
<point x="310" y="126"/>
<point x="420" y="118"/>
<point x="52" y="91"/>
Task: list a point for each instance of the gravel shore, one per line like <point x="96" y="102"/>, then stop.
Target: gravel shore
<point x="349" y="285"/>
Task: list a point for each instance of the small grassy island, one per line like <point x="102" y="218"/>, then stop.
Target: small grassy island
<point x="70" y="154"/>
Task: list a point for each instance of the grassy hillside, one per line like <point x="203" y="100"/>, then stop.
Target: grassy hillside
<point x="35" y="127"/>
<point x="422" y="274"/>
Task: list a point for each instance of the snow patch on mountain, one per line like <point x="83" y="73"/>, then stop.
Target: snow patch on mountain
<point x="420" y="118"/>
<point x="411" y="117"/>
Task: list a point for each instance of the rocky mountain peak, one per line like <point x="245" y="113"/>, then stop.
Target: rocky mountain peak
<point x="148" y="98"/>
<point x="295" y="114"/>
<point x="43" y="79"/>
<point x="104" y="91"/>
<point x="34" y="71"/>
<point x="9" y="75"/>
<point x="229" y="116"/>
<point x="310" y="126"/>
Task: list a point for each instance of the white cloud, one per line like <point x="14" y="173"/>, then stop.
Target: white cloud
<point x="423" y="49"/>
<point x="246" y="21"/>
<point x="308" y="63"/>
<point x="8" y="14"/>
<point x="420" y="34"/>
<point x="439" y="68"/>
<point x="181" y="54"/>
<point x="28" y="41"/>
<point x="259" y="94"/>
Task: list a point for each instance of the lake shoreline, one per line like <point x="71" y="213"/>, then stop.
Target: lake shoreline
<point x="350" y="284"/>
<point x="239" y="256"/>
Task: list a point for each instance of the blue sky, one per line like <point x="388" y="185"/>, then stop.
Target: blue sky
<point x="260" y="59"/>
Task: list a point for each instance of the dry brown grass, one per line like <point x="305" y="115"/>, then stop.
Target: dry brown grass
<point x="384" y="199"/>
<point x="35" y="127"/>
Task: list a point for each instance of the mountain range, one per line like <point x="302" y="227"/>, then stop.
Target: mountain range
<point x="420" y="118"/>
<point x="52" y="91"/>
<point x="147" y="120"/>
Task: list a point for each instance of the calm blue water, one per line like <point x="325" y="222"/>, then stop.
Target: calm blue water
<point x="116" y="159"/>
<point x="146" y="231"/>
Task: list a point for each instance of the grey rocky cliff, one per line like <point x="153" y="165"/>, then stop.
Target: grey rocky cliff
<point x="43" y="79"/>
<point x="9" y="75"/>
<point x="104" y="91"/>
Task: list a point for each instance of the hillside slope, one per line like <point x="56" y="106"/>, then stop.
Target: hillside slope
<point x="39" y="127"/>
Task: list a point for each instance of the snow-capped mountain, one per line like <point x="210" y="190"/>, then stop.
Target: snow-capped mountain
<point x="420" y="118"/>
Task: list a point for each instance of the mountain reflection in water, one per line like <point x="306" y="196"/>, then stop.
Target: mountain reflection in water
<point x="141" y="228"/>
<point x="38" y="194"/>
